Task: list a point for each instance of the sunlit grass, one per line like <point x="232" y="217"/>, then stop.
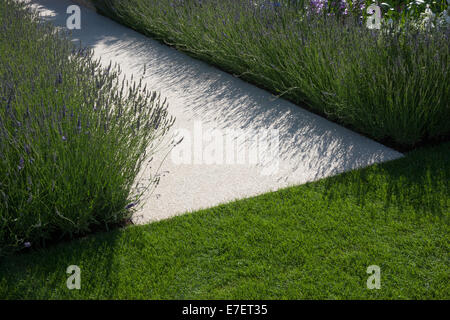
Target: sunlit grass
<point x="311" y="241"/>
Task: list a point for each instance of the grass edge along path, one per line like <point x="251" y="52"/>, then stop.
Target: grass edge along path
<point x="305" y="242"/>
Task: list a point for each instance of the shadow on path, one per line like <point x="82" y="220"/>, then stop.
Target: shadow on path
<point x="310" y="147"/>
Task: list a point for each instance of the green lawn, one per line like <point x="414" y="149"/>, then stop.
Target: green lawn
<point x="310" y="241"/>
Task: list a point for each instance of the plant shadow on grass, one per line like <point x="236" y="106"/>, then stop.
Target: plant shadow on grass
<point x="52" y="274"/>
<point x="419" y="182"/>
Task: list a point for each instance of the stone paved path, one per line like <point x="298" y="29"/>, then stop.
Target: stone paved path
<point x="202" y="97"/>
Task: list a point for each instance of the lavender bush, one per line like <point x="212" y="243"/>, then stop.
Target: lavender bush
<point x="73" y="135"/>
<point x="392" y="86"/>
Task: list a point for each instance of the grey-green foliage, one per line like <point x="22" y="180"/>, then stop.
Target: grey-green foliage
<point x="393" y="88"/>
<point x="73" y="135"/>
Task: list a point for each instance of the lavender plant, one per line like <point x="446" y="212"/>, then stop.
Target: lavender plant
<point x="73" y="135"/>
<point x="393" y="89"/>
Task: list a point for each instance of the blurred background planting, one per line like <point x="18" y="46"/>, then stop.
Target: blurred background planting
<point x="389" y="84"/>
<point x="73" y="135"/>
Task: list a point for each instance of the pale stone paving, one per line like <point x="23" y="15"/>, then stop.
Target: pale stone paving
<point x="301" y="146"/>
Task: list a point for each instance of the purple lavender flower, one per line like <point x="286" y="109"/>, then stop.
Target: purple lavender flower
<point x="318" y="5"/>
<point x="21" y="164"/>
<point x="129" y="206"/>
<point x="59" y="78"/>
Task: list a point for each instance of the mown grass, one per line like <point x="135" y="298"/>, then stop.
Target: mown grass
<point x="306" y="242"/>
<point x="73" y="135"/>
<point x="393" y="88"/>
